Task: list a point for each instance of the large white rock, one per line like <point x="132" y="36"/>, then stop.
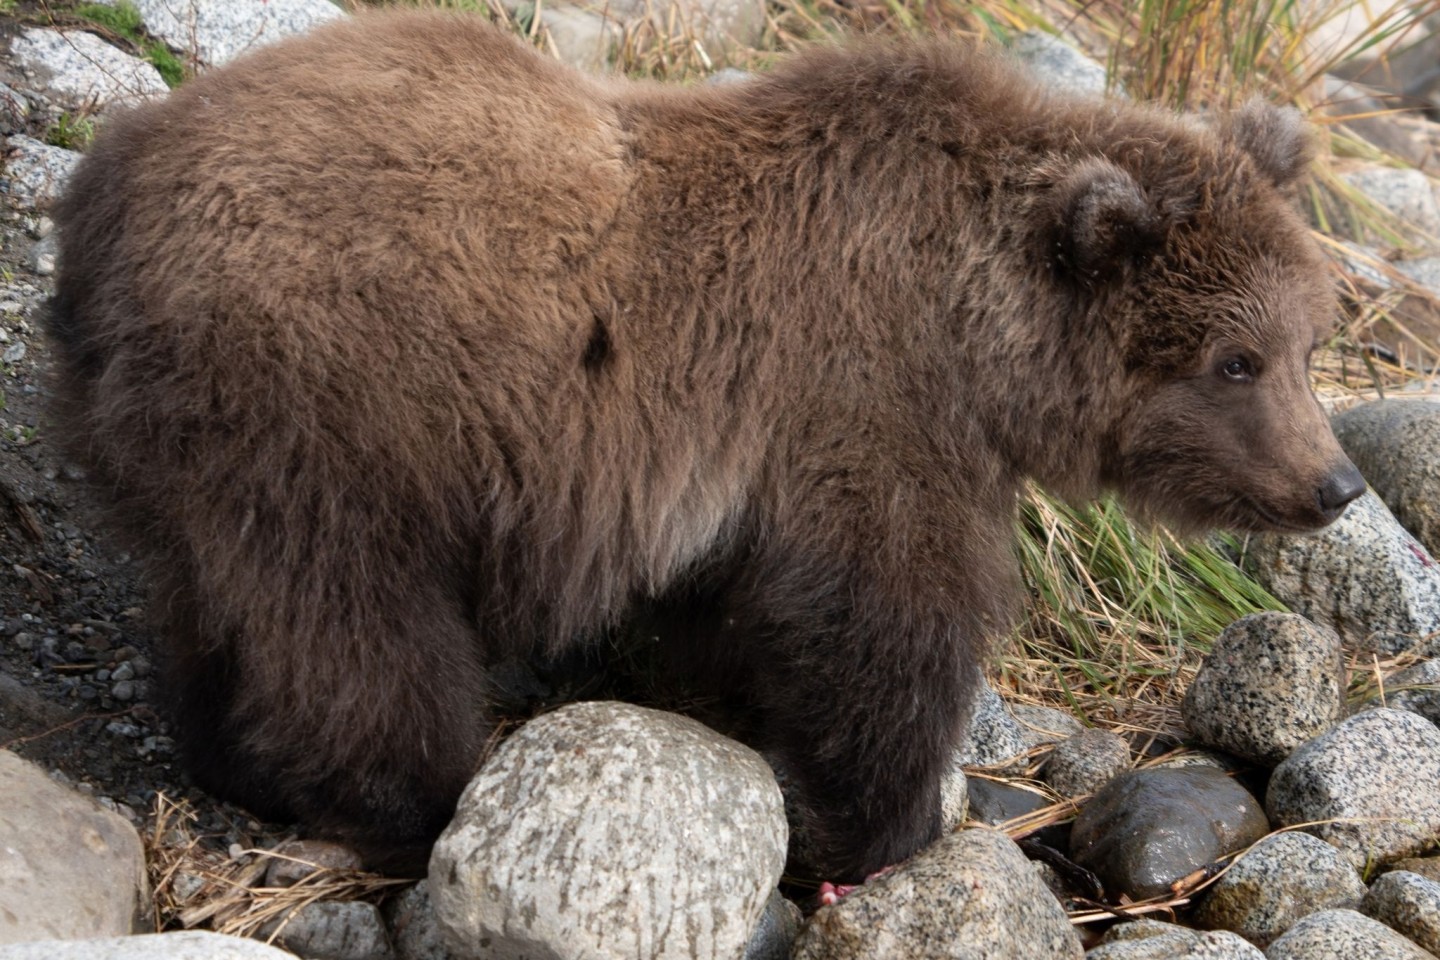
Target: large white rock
<point x="36" y="173"/>
<point x="78" y="71"/>
<point x="1057" y="64"/>
<point x="214" y="31"/>
<point x="604" y="830"/>
<point x="586" y="33"/>
<point x="1407" y="193"/>
<point x="68" y="869"/>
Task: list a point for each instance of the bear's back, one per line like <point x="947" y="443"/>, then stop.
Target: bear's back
<point x="488" y="164"/>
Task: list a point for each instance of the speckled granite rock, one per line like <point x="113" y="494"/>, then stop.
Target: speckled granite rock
<point x="414" y="932"/>
<point x="1272" y="682"/>
<point x="993" y="736"/>
<point x="77" y="71"/>
<point x="954" y="797"/>
<point x="971" y="894"/>
<point x="1416" y="689"/>
<point x="998" y="733"/>
<point x="36" y="173"/>
<point x="1145" y="928"/>
<point x="1045" y="724"/>
<point x="1375" y="773"/>
<point x="1343" y="935"/>
<point x="1283" y="878"/>
<point x="1409" y="904"/>
<point x="68" y="869"/>
<point x="220" y="30"/>
<point x="608" y="830"/>
<point x="331" y="930"/>
<point x="1396" y="444"/>
<point x="184" y="945"/>
<point x="1427" y="867"/>
<point x="1148" y="828"/>
<point x="1364" y="576"/>
<point x="1056" y="63"/>
<point x="1174" y="943"/>
<point x="1086" y="762"/>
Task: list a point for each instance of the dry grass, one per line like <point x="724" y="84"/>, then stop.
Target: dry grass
<point x="195" y="884"/>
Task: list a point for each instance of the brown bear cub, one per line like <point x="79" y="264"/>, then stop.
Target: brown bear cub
<point x="401" y="350"/>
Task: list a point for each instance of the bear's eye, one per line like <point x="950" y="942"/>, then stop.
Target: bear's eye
<point x="1237" y="369"/>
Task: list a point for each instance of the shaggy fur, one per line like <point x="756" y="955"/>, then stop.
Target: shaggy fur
<point x="400" y="349"/>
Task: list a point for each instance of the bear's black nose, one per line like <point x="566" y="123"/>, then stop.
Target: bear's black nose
<point x="1343" y="485"/>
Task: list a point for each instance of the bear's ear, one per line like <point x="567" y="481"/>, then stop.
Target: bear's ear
<point x="1105" y="220"/>
<point x="1276" y="138"/>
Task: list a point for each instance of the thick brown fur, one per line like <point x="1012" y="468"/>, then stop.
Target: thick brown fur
<point x="400" y="349"/>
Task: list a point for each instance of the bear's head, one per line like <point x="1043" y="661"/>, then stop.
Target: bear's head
<point x="1211" y="296"/>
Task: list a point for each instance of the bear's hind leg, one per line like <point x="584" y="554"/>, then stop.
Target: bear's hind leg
<point x="365" y="736"/>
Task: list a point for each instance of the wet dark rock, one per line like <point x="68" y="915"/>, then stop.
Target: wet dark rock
<point x="1148" y="828"/>
<point x="774" y="936"/>
<point x="993" y="802"/>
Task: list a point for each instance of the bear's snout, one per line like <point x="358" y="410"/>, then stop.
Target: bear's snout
<point x="1342" y="486"/>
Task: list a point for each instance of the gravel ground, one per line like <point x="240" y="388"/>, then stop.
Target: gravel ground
<point x="76" y="681"/>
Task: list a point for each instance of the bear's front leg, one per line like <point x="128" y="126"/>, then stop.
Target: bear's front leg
<point x="864" y="684"/>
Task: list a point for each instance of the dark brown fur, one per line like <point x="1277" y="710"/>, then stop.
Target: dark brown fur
<point x="400" y="349"/>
